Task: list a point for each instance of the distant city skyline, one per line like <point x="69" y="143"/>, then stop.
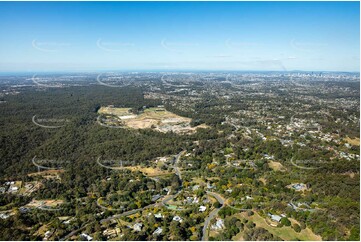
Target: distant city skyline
<point x="211" y="36"/>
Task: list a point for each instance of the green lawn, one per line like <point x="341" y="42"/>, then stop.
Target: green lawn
<point x="285" y="233"/>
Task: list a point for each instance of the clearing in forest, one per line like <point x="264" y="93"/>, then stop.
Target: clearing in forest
<point x="154" y="118"/>
<point x="276" y="166"/>
<point x="149" y="171"/>
<point x="285" y="232"/>
<point x="355" y="141"/>
<point x="47" y="203"/>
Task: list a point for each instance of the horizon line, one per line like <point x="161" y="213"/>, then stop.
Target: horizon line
<point x="168" y="70"/>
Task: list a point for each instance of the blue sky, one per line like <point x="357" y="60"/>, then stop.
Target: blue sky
<point x="91" y="36"/>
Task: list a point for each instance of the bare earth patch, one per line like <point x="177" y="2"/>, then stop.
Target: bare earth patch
<point x="355" y="141"/>
<point x="285" y="232"/>
<point x="263" y="180"/>
<point x="140" y="124"/>
<point x="149" y="171"/>
<point x="114" y="111"/>
<point x="154" y="118"/>
<point x="48" y="203"/>
<point x="48" y="174"/>
<point x="276" y="166"/>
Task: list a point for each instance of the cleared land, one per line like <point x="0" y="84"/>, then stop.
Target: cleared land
<point x="355" y="141"/>
<point x="276" y="166"/>
<point x="149" y="171"/>
<point x="155" y="118"/>
<point x="285" y="232"/>
<point x="47" y="174"/>
<point x="47" y="203"/>
<point x="114" y="111"/>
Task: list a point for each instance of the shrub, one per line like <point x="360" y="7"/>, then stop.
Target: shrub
<point x="285" y="222"/>
<point x="296" y="228"/>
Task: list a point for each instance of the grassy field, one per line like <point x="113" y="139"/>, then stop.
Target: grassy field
<point x="42" y="230"/>
<point x="263" y="180"/>
<point x="238" y="237"/>
<point x="149" y="171"/>
<point x="46" y="173"/>
<point x="285" y="233"/>
<point x="355" y="141"/>
<point x="49" y="203"/>
<point x="276" y="166"/>
<point x="114" y="111"/>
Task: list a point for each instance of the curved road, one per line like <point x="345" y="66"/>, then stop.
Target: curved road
<point x="207" y="221"/>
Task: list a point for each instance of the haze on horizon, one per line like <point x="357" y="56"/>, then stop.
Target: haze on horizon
<point x="90" y="36"/>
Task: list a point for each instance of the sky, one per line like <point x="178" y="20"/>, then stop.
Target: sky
<point x="93" y="36"/>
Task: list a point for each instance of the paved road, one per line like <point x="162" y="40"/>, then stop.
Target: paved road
<point x="168" y="198"/>
<point x="74" y="232"/>
<point x="175" y="166"/>
<point x="298" y="208"/>
<point x="179" y="174"/>
<point x="127" y="213"/>
<point x="221" y="200"/>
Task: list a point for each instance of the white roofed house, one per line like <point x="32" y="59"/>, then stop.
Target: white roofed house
<point x="13" y="189"/>
<point x="218" y="225"/>
<point x="177" y="218"/>
<point x="4" y="215"/>
<point x="210" y="186"/>
<point x="196" y="200"/>
<point x="48" y="234"/>
<point x="274" y="217"/>
<point x="158" y="215"/>
<point x="299" y="186"/>
<point x="86" y="236"/>
<point x="158" y="231"/>
<point x="202" y="208"/>
<point x="137" y="227"/>
<point x="195" y="187"/>
<point x="229" y="190"/>
<point x="111" y="233"/>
